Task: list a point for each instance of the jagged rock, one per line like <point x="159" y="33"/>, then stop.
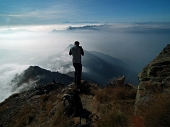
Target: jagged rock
<point x="117" y="82"/>
<point x="157" y="73"/>
<point x="42" y="89"/>
<point x="130" y="86"/>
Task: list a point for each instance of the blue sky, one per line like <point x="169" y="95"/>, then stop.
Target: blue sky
<point x="33" y="12"/>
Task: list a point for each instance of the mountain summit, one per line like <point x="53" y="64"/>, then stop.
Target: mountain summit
<point x="68" y="48"/>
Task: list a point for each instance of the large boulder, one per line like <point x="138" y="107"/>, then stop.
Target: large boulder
<point x="156" y="75"/>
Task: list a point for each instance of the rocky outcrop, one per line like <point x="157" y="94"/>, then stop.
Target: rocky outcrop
<point x="35" y="76"/>
<point x="154" y="78"/>
<point x="156" y="75"/>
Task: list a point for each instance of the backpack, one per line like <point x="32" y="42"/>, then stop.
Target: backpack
<point x="72" y="105"/>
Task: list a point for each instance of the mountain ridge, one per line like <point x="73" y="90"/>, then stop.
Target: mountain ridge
<point x="36" y="76"/>
<point x="94" y="67"/>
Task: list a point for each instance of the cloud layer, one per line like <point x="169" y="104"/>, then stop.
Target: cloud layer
<point x="135" y="44"/>
<point x="7" y="73"/>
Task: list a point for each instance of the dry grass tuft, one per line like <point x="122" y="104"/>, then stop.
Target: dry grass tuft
<point x="59" y="120"/>
<point x="24" y="117"/>
<point x="116" y="93"/>
<point x="114" y="118"/>
<point x="156" y="113"/>
<point x="115" y="106"/>
<point x="137" y="121"/>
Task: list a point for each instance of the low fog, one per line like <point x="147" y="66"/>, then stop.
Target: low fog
<point x="135" y="44"/>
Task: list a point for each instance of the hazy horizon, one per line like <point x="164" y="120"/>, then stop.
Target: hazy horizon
<point x="127" y="42"/>
<point x="135" y="44"/>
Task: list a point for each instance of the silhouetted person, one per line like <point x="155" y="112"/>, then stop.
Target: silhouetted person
<point x="76" y="51"/>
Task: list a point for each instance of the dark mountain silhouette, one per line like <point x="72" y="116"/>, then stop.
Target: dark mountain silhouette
<point x="68" y="47"/>
<point x="111" y="60"/>
<point x="56" y="31"/>
<point x="115" y="62"/>
<point x="87" y="27"/>
<point x="103" y="70"/>
<point x="35" y="75"/>
<point x="82" y="22"/>
<point x="95" y="67"/>
<point x="53" y="31"/>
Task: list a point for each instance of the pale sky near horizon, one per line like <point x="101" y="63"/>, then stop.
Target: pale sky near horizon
<point x="38" y="12"/>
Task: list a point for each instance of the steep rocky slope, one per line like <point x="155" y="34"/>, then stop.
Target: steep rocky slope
<point x="35" y="75"/>
<point x="43" y="107"/>
<point x="154" y="79"/>
<point x="157" y="72"/>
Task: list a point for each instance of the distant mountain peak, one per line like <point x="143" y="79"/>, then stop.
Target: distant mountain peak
<point x="54" y="31"/>
<point x="68" y="47"/>
<point x="36" y="75"/>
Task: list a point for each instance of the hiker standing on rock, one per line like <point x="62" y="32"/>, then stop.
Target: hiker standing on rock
<point x="76" y="51"/>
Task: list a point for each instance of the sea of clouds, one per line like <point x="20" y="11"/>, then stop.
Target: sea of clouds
<point x="135" y="44"/>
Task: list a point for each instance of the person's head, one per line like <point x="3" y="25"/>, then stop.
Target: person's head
<point x="76" y="43"/>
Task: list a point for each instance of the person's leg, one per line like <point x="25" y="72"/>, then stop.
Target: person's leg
<point x="76" y="73"/>
<point x="79" y="73"/>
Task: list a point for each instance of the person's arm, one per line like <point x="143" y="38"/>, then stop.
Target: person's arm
<point x="82" y="51"/>
<point x="70" y="53"/>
